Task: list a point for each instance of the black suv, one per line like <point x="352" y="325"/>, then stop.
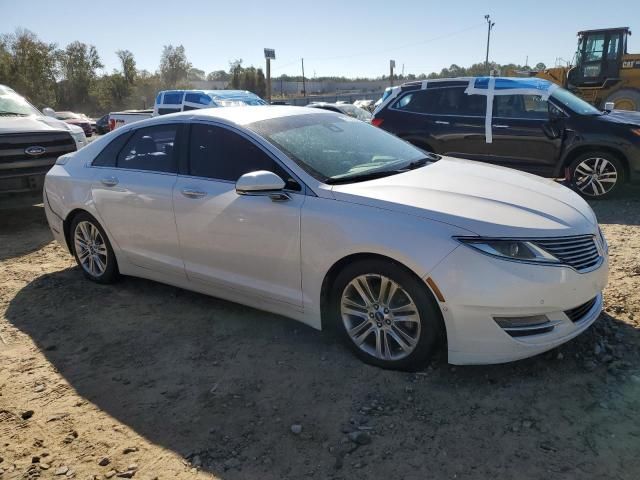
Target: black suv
<point x="552" y="133"/>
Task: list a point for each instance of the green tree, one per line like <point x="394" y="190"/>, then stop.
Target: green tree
<point x="28" y="65"/>
<point x="128" y="65"/>
<point x="79" y="63"/>
<point x="195" y="74"/>
<point x="218" y="75"/>
<point x="174" y="66"/>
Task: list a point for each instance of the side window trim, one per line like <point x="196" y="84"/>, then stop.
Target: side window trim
<point x="186" y="171"/>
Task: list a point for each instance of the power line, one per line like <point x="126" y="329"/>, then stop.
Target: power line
<point x="392" y="49"/>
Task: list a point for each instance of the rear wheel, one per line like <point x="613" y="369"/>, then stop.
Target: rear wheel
<point x="92" y="250"/>
<point x="625" y="99"/>
<point x="597" y="174"/>
<point x="385" y="315"/>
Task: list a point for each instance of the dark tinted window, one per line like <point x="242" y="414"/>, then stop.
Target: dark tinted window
<point x="520" y="106"/>
<point x="107" y="157"/>
<point x="443" y="101"/>
<point x="224" y="155"/>
<point x="172" y="98"/>
<point x="164" y="111"/>
<point x="200" y="98"/>
<point x="151" y="148"/>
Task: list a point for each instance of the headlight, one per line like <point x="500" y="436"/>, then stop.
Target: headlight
<point x="519" y="250"/>
<point x="79" y="138"/>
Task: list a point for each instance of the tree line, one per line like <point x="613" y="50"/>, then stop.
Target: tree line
<point x="71" y="78"/>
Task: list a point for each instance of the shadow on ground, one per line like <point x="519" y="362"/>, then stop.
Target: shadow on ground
<point x="222" y="383"/>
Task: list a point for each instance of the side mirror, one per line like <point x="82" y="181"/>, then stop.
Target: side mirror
<point x="259" y="182"/>
<point x="608" y="106"/>
<point x="49" y="112"/>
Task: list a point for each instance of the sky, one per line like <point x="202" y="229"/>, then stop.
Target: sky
<point x="351" y="38"/>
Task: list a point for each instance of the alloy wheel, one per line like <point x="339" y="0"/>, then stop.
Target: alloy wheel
<point x="595" y="176"/>
<point x="91" y="248"/>
<point x="380" y="317"/>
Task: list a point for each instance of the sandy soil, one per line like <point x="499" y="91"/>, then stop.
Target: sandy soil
<point x="145" y="380"/>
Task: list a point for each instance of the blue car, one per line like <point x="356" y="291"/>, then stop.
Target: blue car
<point x="172" y="101"/>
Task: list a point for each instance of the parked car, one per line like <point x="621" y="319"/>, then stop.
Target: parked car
<point x="344" y="108"/>
<point x="356" y="229"/>
<point x="102" y="125"/>
<point x="172" y="101"/>
<point x="533" y="125"/>
<point x="30" y="143"/>
<point x="76" y="119"/>
<point x="364" y="104"/>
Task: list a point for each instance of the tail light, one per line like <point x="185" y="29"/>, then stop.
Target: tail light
<point x="112" y="124"/>
<point x="376" y="121"/>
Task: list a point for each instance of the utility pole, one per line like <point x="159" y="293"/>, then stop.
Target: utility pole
<point x="269" y="54"/>
<point x="490" y="26"/>
<point x="392" y="65"/>
<point x="304" y="86"/>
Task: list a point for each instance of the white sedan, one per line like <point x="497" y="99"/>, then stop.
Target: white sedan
<point x="335" y="223"/>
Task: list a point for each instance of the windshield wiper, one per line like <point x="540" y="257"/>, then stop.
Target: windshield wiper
<point x="6" y="112"/>
<point x="361" y="177"/>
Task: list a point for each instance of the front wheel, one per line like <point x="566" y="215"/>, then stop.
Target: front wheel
<point x="385" y="314"/>
<point x="596" y="174"/>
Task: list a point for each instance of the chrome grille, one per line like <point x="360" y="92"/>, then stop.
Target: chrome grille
<point x="580" y="252"/>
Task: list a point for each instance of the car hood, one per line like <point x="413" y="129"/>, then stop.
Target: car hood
<point x="32" y="123"/>
<point x="621" y="116"/>
<point x="483" y="199"/>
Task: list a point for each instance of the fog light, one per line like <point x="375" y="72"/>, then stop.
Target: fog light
<point x="529" y="325"/>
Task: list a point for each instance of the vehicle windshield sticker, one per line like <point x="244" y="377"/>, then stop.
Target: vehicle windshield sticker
<point x="492" y="86"/>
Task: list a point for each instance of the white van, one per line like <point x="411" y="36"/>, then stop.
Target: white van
<point x="172" y="101"/>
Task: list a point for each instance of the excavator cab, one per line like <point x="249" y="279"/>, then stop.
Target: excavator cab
<point x="599" y="57"/>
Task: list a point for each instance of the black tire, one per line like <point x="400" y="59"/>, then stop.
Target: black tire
<point x="110" y="273"/>
<point x="625" y="99"/>
<point x="596" y="188"/>
<point x="428" y="336"/>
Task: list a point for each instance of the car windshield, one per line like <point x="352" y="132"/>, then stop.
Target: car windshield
<point x="66" y="116"/>
<point x="330" y="146"/>
<point x="13" y="104"/>
<point x="574" y="103"/>
<point x="355" y="112"/>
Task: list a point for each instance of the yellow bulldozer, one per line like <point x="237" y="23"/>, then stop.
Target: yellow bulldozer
<point x="603" y="70"/>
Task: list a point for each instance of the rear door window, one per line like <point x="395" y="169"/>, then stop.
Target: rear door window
<point x="172" y="98"/>
<point x="442" y="101"/>
<point x="520" y="106"/>
<point x="151" y="148"/>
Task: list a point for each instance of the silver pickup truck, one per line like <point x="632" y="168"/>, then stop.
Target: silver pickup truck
<point x="30" y="144"/>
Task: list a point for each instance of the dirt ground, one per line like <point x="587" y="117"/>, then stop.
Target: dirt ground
<point x="145" y="380"/>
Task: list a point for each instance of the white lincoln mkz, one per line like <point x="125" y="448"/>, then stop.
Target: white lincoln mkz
<point x="336" y="223"/>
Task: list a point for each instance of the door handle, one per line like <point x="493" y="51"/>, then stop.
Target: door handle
<point x="192" y="193"/>
<point x="442" y="122"/>
<point x="109" y="181"/>
<point x="500" y="126"/>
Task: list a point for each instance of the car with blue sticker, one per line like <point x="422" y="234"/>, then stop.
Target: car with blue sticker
<point x="529" y="124"/>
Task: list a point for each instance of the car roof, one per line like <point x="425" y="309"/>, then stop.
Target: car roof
<point x="218" y="93"/>
<point x="463" y="81"/>
<point x="244" y="115"/>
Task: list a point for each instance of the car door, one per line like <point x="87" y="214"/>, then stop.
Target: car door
<point x="248" y="243"/>
<point x="524" y="135"/>
<point x="441" y="118"/>
<point x="132" y="191"/>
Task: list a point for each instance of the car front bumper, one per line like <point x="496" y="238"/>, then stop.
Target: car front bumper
<point x="478" y="288"/>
